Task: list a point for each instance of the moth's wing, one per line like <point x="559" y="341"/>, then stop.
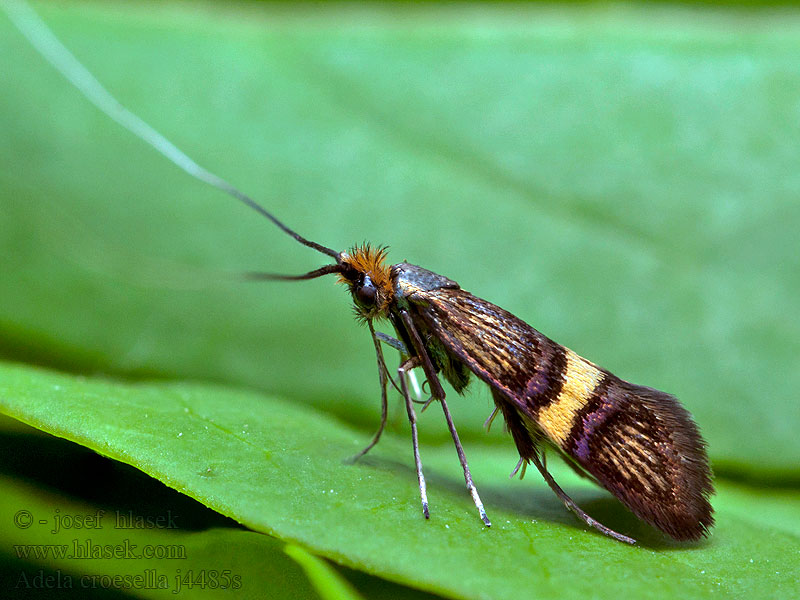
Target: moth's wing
<point x="637" y="442"/>
<point x="504" y="351"/>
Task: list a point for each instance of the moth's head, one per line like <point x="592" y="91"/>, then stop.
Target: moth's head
<point x="369" y="278"/>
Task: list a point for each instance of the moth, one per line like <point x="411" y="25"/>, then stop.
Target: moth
<point x="639" y="443"/>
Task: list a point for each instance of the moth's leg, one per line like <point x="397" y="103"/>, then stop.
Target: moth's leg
<point x="401" y="348"/>
<point x="402" y="373"/>
<point x="522" y="464"/>
<point x="390" y="341"/>
<point x="490" y="420"/>
<point x="467" y="476"/>
<point x="384" y="374"/>
<point x="570" y="504"/>
<point x="412" y="377"/>
<point x="438" y="393"/>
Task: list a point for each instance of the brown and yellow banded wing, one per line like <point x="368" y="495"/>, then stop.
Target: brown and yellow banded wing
<point x="504" y="351"/>
<point x="643" y="446"/>
<point x="637" y="442"/>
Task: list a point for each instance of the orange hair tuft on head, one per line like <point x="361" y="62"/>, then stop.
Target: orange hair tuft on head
<point x="371" y="261"/>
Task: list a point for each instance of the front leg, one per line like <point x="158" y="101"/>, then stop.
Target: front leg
<point x="402" y="373"/>
<point x="438" y="392"/>
<point x="383" y="374"/>
<point x="385" y="377"/>
<point x="405" y="354"/>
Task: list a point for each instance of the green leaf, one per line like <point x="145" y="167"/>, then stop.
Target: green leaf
<point x="62" y="505"/>
<point x="278" y="468"/>
<point x="52" y="543"/>
<point x="329" y="584"/>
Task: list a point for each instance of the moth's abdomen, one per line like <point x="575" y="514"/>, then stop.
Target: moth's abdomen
<point x="639" y="443"/>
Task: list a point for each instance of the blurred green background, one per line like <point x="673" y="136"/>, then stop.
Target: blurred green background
<point x="622" y="177"/>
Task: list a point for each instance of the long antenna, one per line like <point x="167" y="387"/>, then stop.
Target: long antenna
<point x="41" y="37"/>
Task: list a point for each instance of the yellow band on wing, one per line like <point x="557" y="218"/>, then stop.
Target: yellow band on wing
<point x="580" y="380"/>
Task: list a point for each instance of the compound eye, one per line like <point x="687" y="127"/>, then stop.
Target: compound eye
<point x="367" y="292"/>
